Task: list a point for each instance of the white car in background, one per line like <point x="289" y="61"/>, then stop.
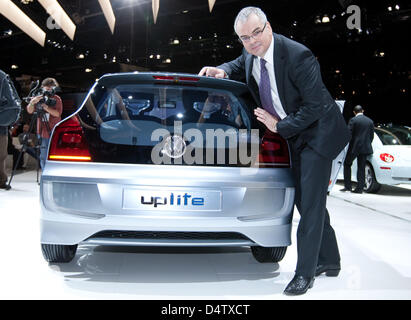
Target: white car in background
<point x="338" y="162"/>
<point x="390" y="163"/>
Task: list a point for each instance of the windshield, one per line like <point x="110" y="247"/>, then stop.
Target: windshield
<point x="395" y="135"/>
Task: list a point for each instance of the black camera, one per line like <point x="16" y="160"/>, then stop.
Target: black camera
<point x="47" y="98"/>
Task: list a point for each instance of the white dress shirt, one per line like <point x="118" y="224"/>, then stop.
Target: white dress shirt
<point x="269" y="57"/>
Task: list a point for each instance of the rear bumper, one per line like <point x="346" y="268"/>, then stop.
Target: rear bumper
<point x="79" y="201"/>
<point x="263" y="233"/>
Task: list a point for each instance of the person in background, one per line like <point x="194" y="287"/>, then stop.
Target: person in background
<point x="29" y="141"/>
<point x="362" y="135"/>
<point x="52" y="115"/>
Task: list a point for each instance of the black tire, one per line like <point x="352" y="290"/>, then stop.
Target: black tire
<point x="58" y="253"/>
<point x="268" y="254"/>
<point x="371" y="184"/>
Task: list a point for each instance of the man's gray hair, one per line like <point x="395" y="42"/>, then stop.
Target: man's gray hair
<point x="243" y="15"/>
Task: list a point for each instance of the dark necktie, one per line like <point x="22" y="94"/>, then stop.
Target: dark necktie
<point x="265" y="91"/>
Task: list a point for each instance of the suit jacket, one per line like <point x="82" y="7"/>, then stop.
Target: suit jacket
<point x="312" y="114"/>
<point x="362" y="134"/>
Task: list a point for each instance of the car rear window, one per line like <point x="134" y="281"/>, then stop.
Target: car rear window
<point x="155" y="123"/>
<point x="128" y="112"/>
<point x="394" y="136"/>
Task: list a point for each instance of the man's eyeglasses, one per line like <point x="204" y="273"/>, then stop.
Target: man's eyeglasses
<point x="255" y="35"/>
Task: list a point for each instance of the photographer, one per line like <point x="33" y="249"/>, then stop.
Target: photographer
<point x="49" y="108"/>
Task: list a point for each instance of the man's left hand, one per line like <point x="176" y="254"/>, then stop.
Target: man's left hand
<point x="268" y="119"/>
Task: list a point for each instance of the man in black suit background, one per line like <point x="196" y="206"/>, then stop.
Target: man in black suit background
<point x="362" y="134"/>
<point x="285" y="80"/>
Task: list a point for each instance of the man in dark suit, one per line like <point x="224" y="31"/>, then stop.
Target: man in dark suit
<point x="284" y="78"/>
<point x="362" y="134"/>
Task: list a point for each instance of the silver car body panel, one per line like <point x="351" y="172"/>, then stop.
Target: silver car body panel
<point x="79" y="200"/>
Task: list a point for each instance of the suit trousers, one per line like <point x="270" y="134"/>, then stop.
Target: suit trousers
<point x="316" y="240"/>
<point x="361" y="160"/>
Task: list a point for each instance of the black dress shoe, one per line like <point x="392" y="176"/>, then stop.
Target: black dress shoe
<point x="357" y="191"/>
<point x="299" y="285"/>
<point x="345" y="190"/>
<point x="331" y="270"/>
<point x="5" y="186"/>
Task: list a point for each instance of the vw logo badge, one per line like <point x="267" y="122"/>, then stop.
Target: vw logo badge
<point x="174" y="146"/>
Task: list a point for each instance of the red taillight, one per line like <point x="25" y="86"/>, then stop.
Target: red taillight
<point x="274" y="151"/>
<point x="176" y="78"/>
<point x="68" y="142"/>
<point x="386" y="157"/>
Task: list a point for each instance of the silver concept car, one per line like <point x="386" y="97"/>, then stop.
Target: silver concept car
<point x="155" y="159"/>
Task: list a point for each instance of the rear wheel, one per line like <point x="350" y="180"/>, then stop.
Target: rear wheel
<point x="268" y="254"/>
<point x="58" y="253"/>
<point x="371" y="184"/>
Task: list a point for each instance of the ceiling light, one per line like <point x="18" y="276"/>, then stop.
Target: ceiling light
<point x="108" y="13"/>
<point x="54" y="9"/>
<point x="14" y="66"/>
<point x="151" y="56"/>
<point x="325" y="19"/>
<point x="211" y="4"/>
<point x="21" y="20"/>
<point x="80" y="56"/>
<point x="158" y="56"/>
<point x="389" y="8"/>
<point x="88" y="70"/>
<point x="168" y="60"/>
<point x="176" y="41"/>
<point x="397" y="7"/>
<point x="155" y="6"/>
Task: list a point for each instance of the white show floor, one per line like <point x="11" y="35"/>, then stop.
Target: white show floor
<point x="373" y="231"/>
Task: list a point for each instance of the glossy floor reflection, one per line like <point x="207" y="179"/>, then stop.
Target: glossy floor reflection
<point x="374" y="234"/>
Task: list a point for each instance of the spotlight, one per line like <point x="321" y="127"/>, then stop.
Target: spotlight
<point x="325" y="19"/>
